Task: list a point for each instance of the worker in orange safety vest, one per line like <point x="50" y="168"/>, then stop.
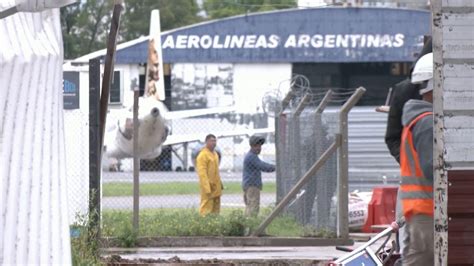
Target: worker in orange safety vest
<point x="416" y="165"/>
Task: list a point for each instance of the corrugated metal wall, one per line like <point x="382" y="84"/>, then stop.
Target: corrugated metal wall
<point x="370" y="163"/>
<point x="33" y="221"/>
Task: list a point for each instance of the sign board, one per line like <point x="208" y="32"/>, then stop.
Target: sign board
<point x="71" y="90"/>
<point x="296" y="35"/>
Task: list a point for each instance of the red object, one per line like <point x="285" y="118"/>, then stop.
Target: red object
<point x="381" y="210"/>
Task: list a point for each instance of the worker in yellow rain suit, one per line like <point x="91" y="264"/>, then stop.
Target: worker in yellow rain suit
<point x="210" y="185"/>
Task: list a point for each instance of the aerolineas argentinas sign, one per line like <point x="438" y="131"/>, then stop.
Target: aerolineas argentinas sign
<point x="307" y="35"/>
<point x="292" y="41"/>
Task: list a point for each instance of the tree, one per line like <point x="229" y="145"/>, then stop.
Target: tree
<point x="173" y="14"/>
<point x="224" y="8"/>
<point x="85" y="25"/>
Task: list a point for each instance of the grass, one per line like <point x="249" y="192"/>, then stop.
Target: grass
<point x="84" y="244"/>
<point x="120" y="189"/>
<point x="187" y="222"/>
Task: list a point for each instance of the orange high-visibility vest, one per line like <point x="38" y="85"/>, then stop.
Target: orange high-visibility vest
<point x="416" y="190"/>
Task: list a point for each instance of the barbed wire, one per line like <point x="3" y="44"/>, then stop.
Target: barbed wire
<point x="296" y="89"/>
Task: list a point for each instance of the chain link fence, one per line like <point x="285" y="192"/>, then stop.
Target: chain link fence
<point x="297" y="128"/>
<point x="303" y="133"/>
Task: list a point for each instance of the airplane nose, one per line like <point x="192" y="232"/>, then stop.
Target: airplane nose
<point x="155" y="112"/>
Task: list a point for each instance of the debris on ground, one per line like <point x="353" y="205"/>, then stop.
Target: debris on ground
<point x="117" y="260"/>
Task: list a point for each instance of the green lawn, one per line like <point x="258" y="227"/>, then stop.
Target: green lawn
<point x="117" y="189"/>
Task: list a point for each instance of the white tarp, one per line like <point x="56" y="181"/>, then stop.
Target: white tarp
<point x="34" y="228"/>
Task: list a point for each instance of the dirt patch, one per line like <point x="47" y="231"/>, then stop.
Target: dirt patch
<point x="116" y="260"/>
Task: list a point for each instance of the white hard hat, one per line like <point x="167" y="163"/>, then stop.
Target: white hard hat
<point x="423" y="69"/>
<point x="428" y="88"/>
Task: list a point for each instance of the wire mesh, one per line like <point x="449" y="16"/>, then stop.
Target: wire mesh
<point x="170" y="185"/>
<point x="301" y="139"/>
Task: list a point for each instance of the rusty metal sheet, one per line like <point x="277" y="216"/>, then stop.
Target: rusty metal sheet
<point x="460" y="205"/>
<point x="462" y="239"/>
<point x="458" y="256"/>
<point x="461" y="224"/>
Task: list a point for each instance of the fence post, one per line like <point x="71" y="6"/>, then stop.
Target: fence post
<point x="297" y="145"/>
<point x="322" y="187"/>
<point x="136" y="162"/>
<point x="320" y="162"/>
<point x="94" y="143"/>
<point x="324" y="102"/>
<point x="280" y="141"/>
<point x="343" y="176"/>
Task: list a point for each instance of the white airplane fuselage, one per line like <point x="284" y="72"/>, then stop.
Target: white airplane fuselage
<point x="152" y="132"/>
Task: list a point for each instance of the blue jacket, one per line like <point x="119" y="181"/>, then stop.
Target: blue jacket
<point x="253" y="168"/>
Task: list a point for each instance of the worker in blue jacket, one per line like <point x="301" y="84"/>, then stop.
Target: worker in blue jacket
<point x="252" y="175"/>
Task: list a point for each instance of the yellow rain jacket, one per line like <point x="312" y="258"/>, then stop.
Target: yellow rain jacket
<point x="207" y="165"/>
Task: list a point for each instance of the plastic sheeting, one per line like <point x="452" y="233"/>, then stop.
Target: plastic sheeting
<point x="33" y="222"/>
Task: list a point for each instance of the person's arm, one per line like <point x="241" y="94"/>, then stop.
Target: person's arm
<point x="402" y="92"/>
<point x="201" y="166"/>
<point x="263" y="166"/>
<point x="423" y="141"/>
<point x="393" y="132"/>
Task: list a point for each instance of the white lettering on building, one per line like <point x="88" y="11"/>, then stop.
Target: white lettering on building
<point x="292" y="41"/>
<point x="274" y="41"/>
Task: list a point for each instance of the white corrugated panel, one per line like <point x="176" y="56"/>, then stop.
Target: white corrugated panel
<point x="34" y="221"/>
<point x="370" y="162"/>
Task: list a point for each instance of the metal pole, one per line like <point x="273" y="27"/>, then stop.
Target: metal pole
<point x="343" y="176"/>
<point x="297" y="146"/>
<point x="185" y="156"/>
<point x="301" y="105"/>
<point x="310" y="173"/>
<point x="136" y="162"/>
<point x="94" y="145"/>
<point x="324" y="102"/>
<point x="280" y="133"/>
<point x="286" y="101"/>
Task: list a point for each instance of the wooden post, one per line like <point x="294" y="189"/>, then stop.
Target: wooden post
<point x="109" y="67"/>
<point x="94" y="145"/>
